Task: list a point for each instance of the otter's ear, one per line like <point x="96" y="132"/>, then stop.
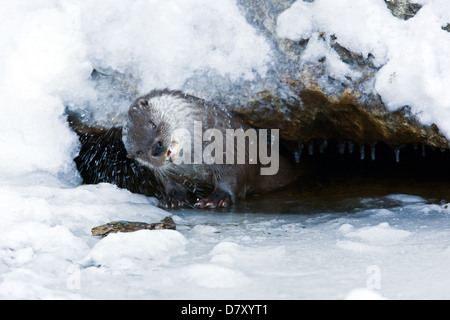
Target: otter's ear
<point x="143" y="103"/>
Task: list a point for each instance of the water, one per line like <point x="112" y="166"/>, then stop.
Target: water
<point x="347" y="228"/>
<point x="333" y="244"/>
<point x="306" y="242"/>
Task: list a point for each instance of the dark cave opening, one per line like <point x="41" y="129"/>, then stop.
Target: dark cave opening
<point x="379" y="169"/>
<point x="333" y="167"/>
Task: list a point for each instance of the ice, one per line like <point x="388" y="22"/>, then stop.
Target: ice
<point x="364" y="294"/>
<point x="359" y="247"/>
<point x="214" y="276"/>
<point x="125" y="251"/>
<point x="311" y="148"/>
<point x="350" y="146"/>
<point x="298" y="152"/>
<point x="405" y="198"/>
<point x="341" y="148"/>
<point x="379" y="233"/>
<point x="46" y="250"/>
<point x="397" y="154"/>
<point x="202" y="229"/>
<point x="295" y="23"/>
<point x="156" y="44"/>
<point x="323" y="146"/>
<point x="317" y="48"/>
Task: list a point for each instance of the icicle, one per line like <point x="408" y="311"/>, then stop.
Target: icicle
<point x="372" y="152"/>
<point x="397" y="154"/>
<point x="323" y="146"/>
<point x="311" y="148"/>
<point x="341" y="147"/>
<point x="298" y="152"/>
<point x="423" y="151"/>
<point x="350" y="146"/>
<point x="361" y="151"/>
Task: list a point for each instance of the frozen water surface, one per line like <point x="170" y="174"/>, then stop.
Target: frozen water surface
<point x="394" y="247"/>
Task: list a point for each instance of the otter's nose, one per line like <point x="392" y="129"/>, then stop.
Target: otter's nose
<point x="158" y="149"/>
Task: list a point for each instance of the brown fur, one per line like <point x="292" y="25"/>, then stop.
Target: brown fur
<point x="147" y="136"/>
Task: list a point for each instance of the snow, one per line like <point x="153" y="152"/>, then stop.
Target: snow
<point x="364" y="294"/>
<point x="412" y="54"/>
<point x="400" y="250"/>
<point x="47" y="251"/>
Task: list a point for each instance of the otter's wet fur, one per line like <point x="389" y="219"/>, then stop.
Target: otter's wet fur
<point x="147" y="135"/>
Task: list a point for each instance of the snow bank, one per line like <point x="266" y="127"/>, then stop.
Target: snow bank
<point x="42" y="60"/>
<point x="179" y="44"/>
<point x="380" y="233"/>
<point x="45" y="234"/>
<point x="119" y="251"/>
<point x="166" y="42"/>
<point x="412" y="54"/>
<point x="50" y="48"/>
<point x="214" y="276"/>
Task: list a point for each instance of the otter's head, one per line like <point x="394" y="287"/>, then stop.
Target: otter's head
<point x="147" y="136"/>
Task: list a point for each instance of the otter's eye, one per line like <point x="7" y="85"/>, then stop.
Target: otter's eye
<point x="153" y="125"/>
<point x="139" y="152"/>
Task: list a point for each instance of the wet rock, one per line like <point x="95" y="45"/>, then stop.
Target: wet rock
<point x="306" y="103"/>
<point x="128" y="226"/>
<point x="403" y="9"/>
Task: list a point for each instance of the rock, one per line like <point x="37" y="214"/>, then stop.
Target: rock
<point x="403" y="9"/>
<point x="307" y="104"/>
<point x="446" y="27"/>
<point x="299" y="98"/>
<point x="128" y="226"/>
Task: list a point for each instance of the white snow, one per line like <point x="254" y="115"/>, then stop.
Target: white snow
<point x="47" y="251"/>
<point x="412" y="54"/>
<point x="165" y="42"/>
<point x="49" y="48"/>
<point x="124" y="252"/>
<point x="379" y="233"/>
<point x="364" y="294"/>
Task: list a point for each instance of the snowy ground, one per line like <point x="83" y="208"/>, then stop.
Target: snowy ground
<point x="395" y="247"/>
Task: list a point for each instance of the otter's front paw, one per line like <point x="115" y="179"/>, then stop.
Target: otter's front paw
<point x="217" y="199"/>
<point x="173" y="200"/>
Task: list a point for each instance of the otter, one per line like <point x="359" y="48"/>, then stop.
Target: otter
<point x="158" y="132"/>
